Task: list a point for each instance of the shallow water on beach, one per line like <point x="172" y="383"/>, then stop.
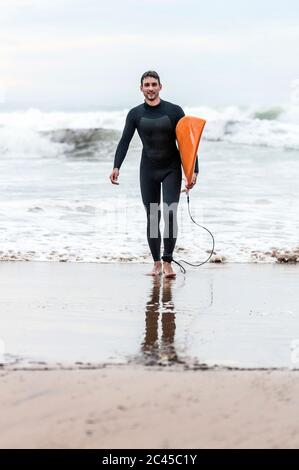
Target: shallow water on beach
<point x="244" y="316"/>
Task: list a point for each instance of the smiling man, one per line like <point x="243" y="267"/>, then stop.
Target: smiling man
<point x="155" y="121"/>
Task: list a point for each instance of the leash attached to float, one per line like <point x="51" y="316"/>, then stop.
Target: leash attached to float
<point x="188" y="133"/>
<point x="183" y="270"/>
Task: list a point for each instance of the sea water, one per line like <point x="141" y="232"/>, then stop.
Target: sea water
<point x="57" y="202"/>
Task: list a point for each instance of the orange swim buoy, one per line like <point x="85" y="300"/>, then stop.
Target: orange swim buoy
<point x="188" y="133"/>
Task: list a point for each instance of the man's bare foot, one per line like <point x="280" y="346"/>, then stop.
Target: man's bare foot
<point x="157" y="269"/>
<point x="168" y="271"/>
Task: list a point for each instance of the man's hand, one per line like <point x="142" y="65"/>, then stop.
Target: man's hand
<point x="114" y="176"/>
<point x="193" y="182"/>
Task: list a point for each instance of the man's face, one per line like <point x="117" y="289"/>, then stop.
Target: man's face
<point x="150" y="88"/>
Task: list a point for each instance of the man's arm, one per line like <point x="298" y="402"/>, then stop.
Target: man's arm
<point x="180" y="115"/>
<point x="125" y="140"/>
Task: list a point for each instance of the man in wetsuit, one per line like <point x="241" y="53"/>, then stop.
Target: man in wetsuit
<point x="155" y="121"/>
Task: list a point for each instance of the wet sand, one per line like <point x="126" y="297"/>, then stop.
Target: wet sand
<point x="236" y="315"/>
<point x="101" y="356"/>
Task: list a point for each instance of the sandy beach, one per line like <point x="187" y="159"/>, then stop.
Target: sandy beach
<point x="102" y="356"/>
<point x="132" y="407"/>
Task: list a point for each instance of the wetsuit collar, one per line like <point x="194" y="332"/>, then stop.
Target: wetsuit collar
<point x="153" y="107"/>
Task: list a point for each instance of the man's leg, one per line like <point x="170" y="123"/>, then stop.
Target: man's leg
<point x="151" y="197"/>
<point x="171" y="186"/>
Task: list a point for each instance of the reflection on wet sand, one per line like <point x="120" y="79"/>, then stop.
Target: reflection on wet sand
<point x="155" y="351"/>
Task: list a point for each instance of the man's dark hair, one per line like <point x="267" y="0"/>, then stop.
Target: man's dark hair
<point x="150" y="73"/>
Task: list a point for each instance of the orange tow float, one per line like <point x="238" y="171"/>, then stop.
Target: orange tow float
<point x="188" y="133"/>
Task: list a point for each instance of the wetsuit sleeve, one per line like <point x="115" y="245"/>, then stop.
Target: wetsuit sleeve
<point x="196" y="165"/>
<point x="125" y="140"/>
<point x="180" y="115"/>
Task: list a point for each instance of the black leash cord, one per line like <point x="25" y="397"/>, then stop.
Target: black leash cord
<point x="183" y="270"/>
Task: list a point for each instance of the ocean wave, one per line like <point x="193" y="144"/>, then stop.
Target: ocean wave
<point x="38" y="133"/>
<point x="20" y="143"/>
<point x="264" y="127"/>
<point x="269" y="114"/>
<point x="85" y="142"/>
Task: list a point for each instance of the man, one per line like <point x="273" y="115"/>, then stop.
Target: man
<point x="155" y="121"/>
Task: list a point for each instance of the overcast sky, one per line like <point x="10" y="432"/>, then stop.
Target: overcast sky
<point x="90" y="54"/>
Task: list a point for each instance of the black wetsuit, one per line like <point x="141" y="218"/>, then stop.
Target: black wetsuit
<point x="160" y="163"/>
